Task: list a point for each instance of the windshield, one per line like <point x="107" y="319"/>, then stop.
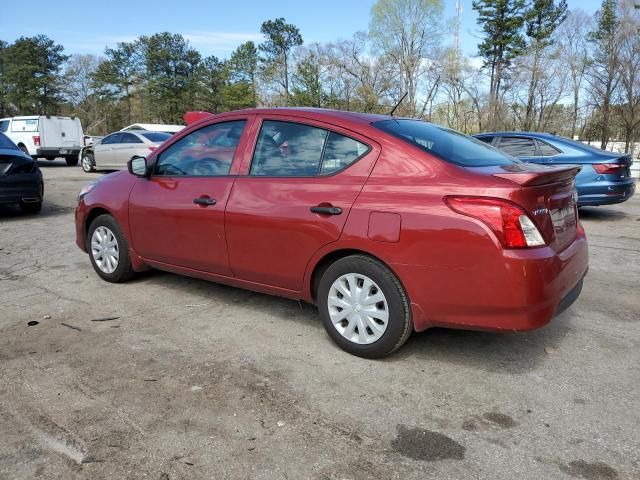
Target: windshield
<point x="447" y="144"/>
<point x="4" y="125"/>
<point x="6" y="143"/>
<point x="156" y="136"/>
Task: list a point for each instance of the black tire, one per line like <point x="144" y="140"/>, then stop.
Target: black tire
<point x="72" y="160"/>
<point x="24" y="149"/>
<point x="88" y="163"/>
<point x="124" y="270"/>
<point x="399" y="324"/>
<point x="31" y="207"/>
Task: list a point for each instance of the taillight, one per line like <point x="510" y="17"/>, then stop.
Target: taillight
<point x="508" y="221"/>
<point x="605" y="168"/>
<point x="36" y="140"/>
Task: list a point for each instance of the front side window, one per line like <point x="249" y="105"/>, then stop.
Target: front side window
<point x="518" y="146"/>
<point x="447" y="144"/>
<point x="207" y="152"/>
<point x="109" y="139"/>
<point x="156" y="137"/>
<point x="288" y="149"/>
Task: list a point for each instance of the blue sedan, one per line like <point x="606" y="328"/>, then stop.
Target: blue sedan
<point x="604" y="179"/>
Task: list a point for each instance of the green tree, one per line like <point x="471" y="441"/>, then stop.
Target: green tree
<point x="406" y="31"/>
<point x="212" y="77"/>
<point x="32" y="75"/>
<point x="605" y="72"/>
<point x="544" y="18"/>
<point x="307" y="88"/>
<point x="170" y="73"/>
<point x="120" y="74"/>
<point x="280" y="38"/>
<point x="501" y="22"/>
<point x="243" y="67"/>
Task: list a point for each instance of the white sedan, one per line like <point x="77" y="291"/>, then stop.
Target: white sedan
<point x="114" y="151"/>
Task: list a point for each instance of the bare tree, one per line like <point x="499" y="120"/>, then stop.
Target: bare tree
<point x="629" y="107"/>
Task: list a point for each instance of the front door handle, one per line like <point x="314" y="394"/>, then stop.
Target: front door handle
<point x="326" y="210"/>
<point x="204" y="201"/>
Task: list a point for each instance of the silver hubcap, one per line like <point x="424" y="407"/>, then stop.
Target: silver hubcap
<point x="358" y="309"/>
<point x="104" y="249"/>
<point x="86" y="163"/>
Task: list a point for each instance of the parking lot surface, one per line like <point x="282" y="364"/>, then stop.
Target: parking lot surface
<point x="167" y="377"/>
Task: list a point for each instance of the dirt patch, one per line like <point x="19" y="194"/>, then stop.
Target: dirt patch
<point x="500" y="419"/>
<point x="590" y="471"/>
<point x="426" y="445"/>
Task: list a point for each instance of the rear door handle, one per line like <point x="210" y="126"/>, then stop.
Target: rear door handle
<point x="326" y="210"/>
<point x="205" y="201"/>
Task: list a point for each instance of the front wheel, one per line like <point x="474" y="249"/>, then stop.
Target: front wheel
<point x="364" y="307"/>
<point x="87" y="163"/>
<point x="109" y="250"/>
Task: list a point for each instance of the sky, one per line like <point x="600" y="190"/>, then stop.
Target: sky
<point x="214" y="27"/>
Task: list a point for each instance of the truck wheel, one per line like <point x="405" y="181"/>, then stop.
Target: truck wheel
<point x="72" y="160"/>
<point x="87" y="163"/>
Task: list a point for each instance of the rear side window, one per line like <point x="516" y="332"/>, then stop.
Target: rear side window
<point x="449" y="145"/>
<point x="288" y="149"/>
<point x="25" y="125"/>
<point x="518" y="146"/>
<point x="6" y="144"/>
<point x="547" y="150"/>
<point x="206" y="152"/>
<point x="129" y="138"/>
<point x="485" y="139"/>
<point x="156" y="137"/>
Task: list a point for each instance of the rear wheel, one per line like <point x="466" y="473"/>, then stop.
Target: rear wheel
<point x="23" y="148"/>
<point x="109" y="250"/>
<point x="88" y="162"/>
<point x="72" y="160"/>
<point x="363" y="307"/>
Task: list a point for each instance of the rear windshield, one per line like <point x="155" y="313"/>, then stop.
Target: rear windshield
<point x="445" y="143"/>
<point x="156" y="136"/>
<point x="6" y="144"/>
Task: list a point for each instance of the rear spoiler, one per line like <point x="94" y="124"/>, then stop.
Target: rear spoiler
<point x="541" y="177"/>
<point x="193" y="117"/>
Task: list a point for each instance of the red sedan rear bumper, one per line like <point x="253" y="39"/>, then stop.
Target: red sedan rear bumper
<point x="522" y="294"/>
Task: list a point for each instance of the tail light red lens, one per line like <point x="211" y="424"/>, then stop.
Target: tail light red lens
<point x="604" y="168"/>
<point x="36" y="140"/>
<point x="508" y="221"/>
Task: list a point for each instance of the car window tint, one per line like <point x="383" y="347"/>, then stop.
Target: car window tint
<point x="4" y="125"/>
<point x="109" y="139"/>
<point x="6" y="143"/>
<point x="157" y="137"/>
<point x="205" y="152"/>
<point x="129" y="138"/>
<point x="546" y="150"/>
<point x="485" y="139"/>
<point x="340" y="152"/>
<point x="30" y="125"/>
<point x="518" y="146"/>
<point x="287" y="149"/>
<point x="447" y="144"/>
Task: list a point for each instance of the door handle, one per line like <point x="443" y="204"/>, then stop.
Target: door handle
<point x="326" y="210"/>
<point x="204" y="201"/>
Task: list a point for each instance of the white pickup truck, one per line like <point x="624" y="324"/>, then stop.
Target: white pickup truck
<point x="47" y="137"/>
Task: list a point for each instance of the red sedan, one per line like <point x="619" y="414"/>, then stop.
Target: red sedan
<point x="388" y="225"/>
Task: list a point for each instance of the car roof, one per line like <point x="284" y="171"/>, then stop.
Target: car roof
<point x="518" y="134"/>
<point x="325" y="114"/>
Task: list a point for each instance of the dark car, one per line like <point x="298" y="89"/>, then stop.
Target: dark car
<point x="389" y="225"/>
<point x="604" y="178"/>
<point x="20" y="178"/>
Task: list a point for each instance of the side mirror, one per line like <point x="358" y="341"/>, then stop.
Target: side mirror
<point x="137" y="166"/>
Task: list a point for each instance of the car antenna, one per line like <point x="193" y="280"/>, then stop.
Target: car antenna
<point x="398" y="104"/>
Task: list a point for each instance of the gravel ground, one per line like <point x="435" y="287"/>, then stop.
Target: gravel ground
<point x="188" y="379"/>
